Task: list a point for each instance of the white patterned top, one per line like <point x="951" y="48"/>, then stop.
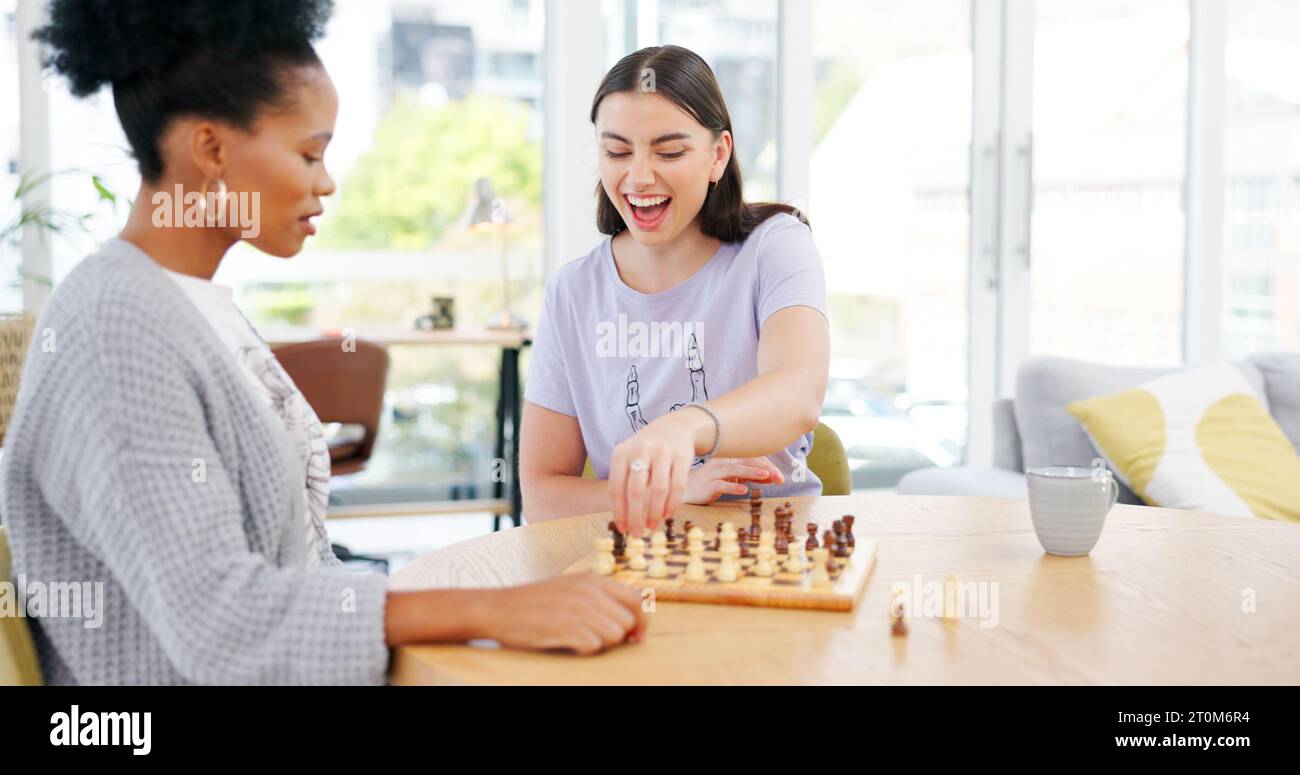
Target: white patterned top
<point x="217" y="305"/>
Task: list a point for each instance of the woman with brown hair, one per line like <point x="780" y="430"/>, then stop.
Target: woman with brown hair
<point x="686" y="355"/>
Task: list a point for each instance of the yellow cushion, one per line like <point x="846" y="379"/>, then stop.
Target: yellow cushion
<point x="828" y="460"/>
<point x="1197" y="439"/>
<point x="18" y="663"/>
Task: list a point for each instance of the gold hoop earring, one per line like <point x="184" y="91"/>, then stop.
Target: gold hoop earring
<point x="222" y="192"/>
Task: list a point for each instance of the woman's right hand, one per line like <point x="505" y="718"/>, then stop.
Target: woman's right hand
<point x="582" y="613"/>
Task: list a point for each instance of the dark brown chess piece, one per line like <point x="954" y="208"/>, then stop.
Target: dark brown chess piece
<point x="780" y="545"/>
<point x="618" y="539"/>
<point x="668" y="530"/>
<point x="841" y="547"/>
<point x="828" y="541"/>
<point x="717" y="542"/>
<point x="755" y="525"/>
<point x="847" y="519"/>
<point x="812" y="537"/>
<point x="742" y="539"/>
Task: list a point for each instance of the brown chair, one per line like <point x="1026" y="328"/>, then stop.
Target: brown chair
<point x="344" y="386"/>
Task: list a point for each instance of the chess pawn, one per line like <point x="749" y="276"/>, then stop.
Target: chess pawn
<point x="847" y="519"/>
<point x="764" y="565"/>
<point x="668" y="526"/>
<point x="604" y="564"/>
<point x="812" y="537"/>
<point x="695" y="565"/>
<point x="820" y="576"/>
<point x="695" y="539"/>
<point x="658" y="550"/>
<point x="728" y="532"/>
<point x="636" y="548"/>
<point x="795" y="562"/>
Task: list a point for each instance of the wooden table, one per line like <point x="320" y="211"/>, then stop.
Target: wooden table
<point x="1159" y="600"/>
<point x="507" y="498"/>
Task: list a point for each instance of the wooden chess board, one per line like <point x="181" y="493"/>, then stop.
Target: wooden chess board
<point x="781" y="590"/>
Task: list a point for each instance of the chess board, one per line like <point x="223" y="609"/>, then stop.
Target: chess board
<point x="781" y="590"/>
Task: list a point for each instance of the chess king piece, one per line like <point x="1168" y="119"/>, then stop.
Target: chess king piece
<point x="636" y="552"/>
<point x="658" y="550"/>
<point x="604" y="564"/>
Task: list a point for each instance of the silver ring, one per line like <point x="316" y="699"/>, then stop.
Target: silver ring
<point x="639" y="466"/>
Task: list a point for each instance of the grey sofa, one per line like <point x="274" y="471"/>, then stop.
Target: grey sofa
<point x="1033" y="429"/>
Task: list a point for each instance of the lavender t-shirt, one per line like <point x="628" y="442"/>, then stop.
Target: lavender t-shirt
<point x="617" y="359"/>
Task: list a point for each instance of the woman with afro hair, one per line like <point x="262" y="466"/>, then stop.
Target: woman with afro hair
<point x="158" y="448"/>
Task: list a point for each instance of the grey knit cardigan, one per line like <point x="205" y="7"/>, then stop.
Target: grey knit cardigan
<point x="137" y="456"/>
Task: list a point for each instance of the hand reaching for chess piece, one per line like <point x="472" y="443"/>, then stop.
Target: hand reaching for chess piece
<point x="650" y="474"/>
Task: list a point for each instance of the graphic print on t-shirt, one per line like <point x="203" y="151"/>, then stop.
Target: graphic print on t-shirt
<point x="309" y="440"/>
<point x="699" y="387"/>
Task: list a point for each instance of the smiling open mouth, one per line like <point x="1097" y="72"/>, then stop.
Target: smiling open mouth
<point x="648" y="211"/>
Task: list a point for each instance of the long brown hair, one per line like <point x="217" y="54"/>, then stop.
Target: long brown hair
<point x="682" y="77"/>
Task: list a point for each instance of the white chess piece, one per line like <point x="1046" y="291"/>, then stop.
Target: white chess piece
<point x="694" y="539"/>
<point x="795" y="562"/>
<point x="695" y="561"/>
<point x="604" y="564"/>
<point x="658" y="550"/>
<point x="820" y="576"/>
<point x="636" y="554"/>
<point x="765" y="555"/>
<point x="729" y="567"/>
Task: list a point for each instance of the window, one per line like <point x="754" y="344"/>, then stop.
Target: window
<point x="1261" y="257"/>
<point x="889" y="208"/>
<point x="433" y="95"/>
<point x="738" y="38"/>
<point x="11" y="297"/>
<point x="1107" y="228"/>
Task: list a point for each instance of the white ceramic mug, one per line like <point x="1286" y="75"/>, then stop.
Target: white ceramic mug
<point x="1068" y="505"/>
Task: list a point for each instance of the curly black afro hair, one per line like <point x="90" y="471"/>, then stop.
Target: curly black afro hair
<point x="220" y="59"/>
